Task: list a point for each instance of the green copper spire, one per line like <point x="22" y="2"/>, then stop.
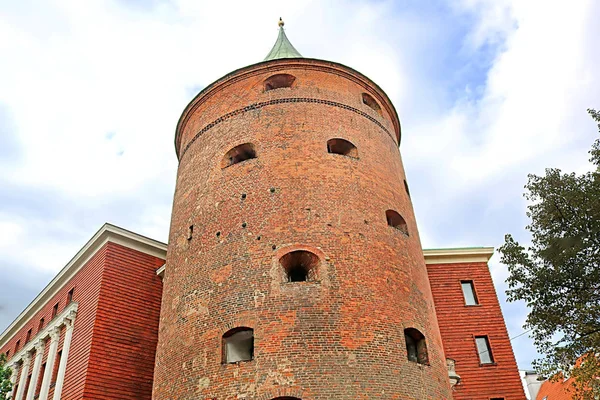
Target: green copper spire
<point x="282" y="47"/>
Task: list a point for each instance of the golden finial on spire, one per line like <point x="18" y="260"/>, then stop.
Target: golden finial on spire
<point x="281" y="23"/>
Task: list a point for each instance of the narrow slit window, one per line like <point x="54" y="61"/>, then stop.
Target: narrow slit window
<point x="190" y="232"/>
<point x="279" y="81"/>
<point x="299" y="266"/>
<point x="17" y="345"/>
<point x="28" y="336"/>
<point x="395" y="220"/>
<point x="416" y="347"/>
<point x="238" y="345"/>
<point x="55" y="310"/>
<point x="238" y="154"/>
<point x="70" y="295"/>
<point x="342" y="147"/>
<point x="484" y="350"/>
<point x="469" y="293"/>
<point x="371" y="102"/>
<point x="41" y="326"/>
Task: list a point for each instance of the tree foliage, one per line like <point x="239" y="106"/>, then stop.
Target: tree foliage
<point x="558" y="275"/>
<point x="5" y="372"/>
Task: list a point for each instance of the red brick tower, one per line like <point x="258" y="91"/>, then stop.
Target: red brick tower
<point x="294" y="268"/>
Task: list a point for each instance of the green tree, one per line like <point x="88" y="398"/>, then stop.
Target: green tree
<point x="5" y="372"/>
<point x="558" y="275"/>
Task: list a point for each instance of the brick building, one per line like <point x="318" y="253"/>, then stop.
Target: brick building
<point x="294" y="267"/>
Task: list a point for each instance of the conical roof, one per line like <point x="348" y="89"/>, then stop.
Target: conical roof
<point x="282" y="47"/>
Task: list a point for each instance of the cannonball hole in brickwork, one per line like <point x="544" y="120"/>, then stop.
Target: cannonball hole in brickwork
<point x="279" y="81"/>
<point x="238" y="345"/>
<point x="416" y="347"/>
<point x="395" y="220"/>
<point x="371" y="102"/>
<point x="238" y="154"/>
<point x="343" y="147"/>
<point x="299" y="266"/>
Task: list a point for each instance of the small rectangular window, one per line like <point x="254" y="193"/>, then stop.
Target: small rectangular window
<point x="484" y="350"/>
<point x="8" y="354"/>
<point x="28" y="336"/>
<point x="55" y="310"/>
<point x="41" y="325"/>
<point x="469" y="293"/>
<point x="17" y="345"/>
<point x="70" y="295"/>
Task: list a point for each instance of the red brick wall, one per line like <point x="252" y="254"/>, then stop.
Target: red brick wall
<point x="87" y="287"/>
<point x="341" y="337"/>
<point x="459" y="324"/>
<point x="126" y="327"/>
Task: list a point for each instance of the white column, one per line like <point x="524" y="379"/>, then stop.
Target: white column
<point x="24" y="373"/>
<point x="62" y="367"/>
<point x="54" y="336"/>
<point x="37" y="365"/>
<point x="13" y="378"/>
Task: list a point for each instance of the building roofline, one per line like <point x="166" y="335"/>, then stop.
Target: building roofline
<point x="458" y="255"/>
<point x="265" y="64"/>
<point x="107" y="233"/>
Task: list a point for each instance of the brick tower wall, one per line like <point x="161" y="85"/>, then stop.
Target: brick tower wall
<point x="340" y="335"/>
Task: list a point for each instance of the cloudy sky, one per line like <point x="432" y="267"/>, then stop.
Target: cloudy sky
<point x="90" y="92"/>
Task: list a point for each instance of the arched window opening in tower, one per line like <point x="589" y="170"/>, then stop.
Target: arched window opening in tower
<point x="299" y="266"/>
<point x="395" y="220"/>
<point x="371" y="102"/>
<point x="416" y="348"/>
<point x="238" y="154"/>
<point x="238" y="345"/>
<point x="279" y="81"/>
<point x="286" y="398"/>
<point x="343" y="147"/>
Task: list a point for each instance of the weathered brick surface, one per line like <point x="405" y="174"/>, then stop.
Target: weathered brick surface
<point x="340" y="337"/>
<point x="459" y="324"/>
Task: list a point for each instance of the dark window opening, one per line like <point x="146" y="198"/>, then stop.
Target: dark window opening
<point x="28" y="336"/>
<point x="238" y="154"/>
<point x="469" y="293"/>
<point x="416" y="347"/>
<point x="7" y="354"/>
<point x="299" y="266"/>
<point x="343" y="147"/>
<point x="55" y="310"/>
<point x="286" y="398"/>
<point x="55" y="369"/>
<point x="406" y="188"/>
<point x="190" y="232"/>
<point x="17" y="345"/>
<point x="70" y="295"/>
<point x="38" y="386"/>
<point x="371" y="102"/>
<point x="41" y="326"/>
<point x="238" y="345"/>
<point x="279" y="81"/>
<point x="395" y="220"/>
<point x="484" y="350"/>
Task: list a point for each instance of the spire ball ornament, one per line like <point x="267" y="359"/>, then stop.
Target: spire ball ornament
<point x="281" y="23"/>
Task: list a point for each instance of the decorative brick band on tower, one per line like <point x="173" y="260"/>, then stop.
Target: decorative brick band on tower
<point x="292" y="224"/>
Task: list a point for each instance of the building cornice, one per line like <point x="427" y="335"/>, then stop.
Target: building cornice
<point x="108" y="233"/>
<point x="68" y="313"/>
<point x="457" y="256"/>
